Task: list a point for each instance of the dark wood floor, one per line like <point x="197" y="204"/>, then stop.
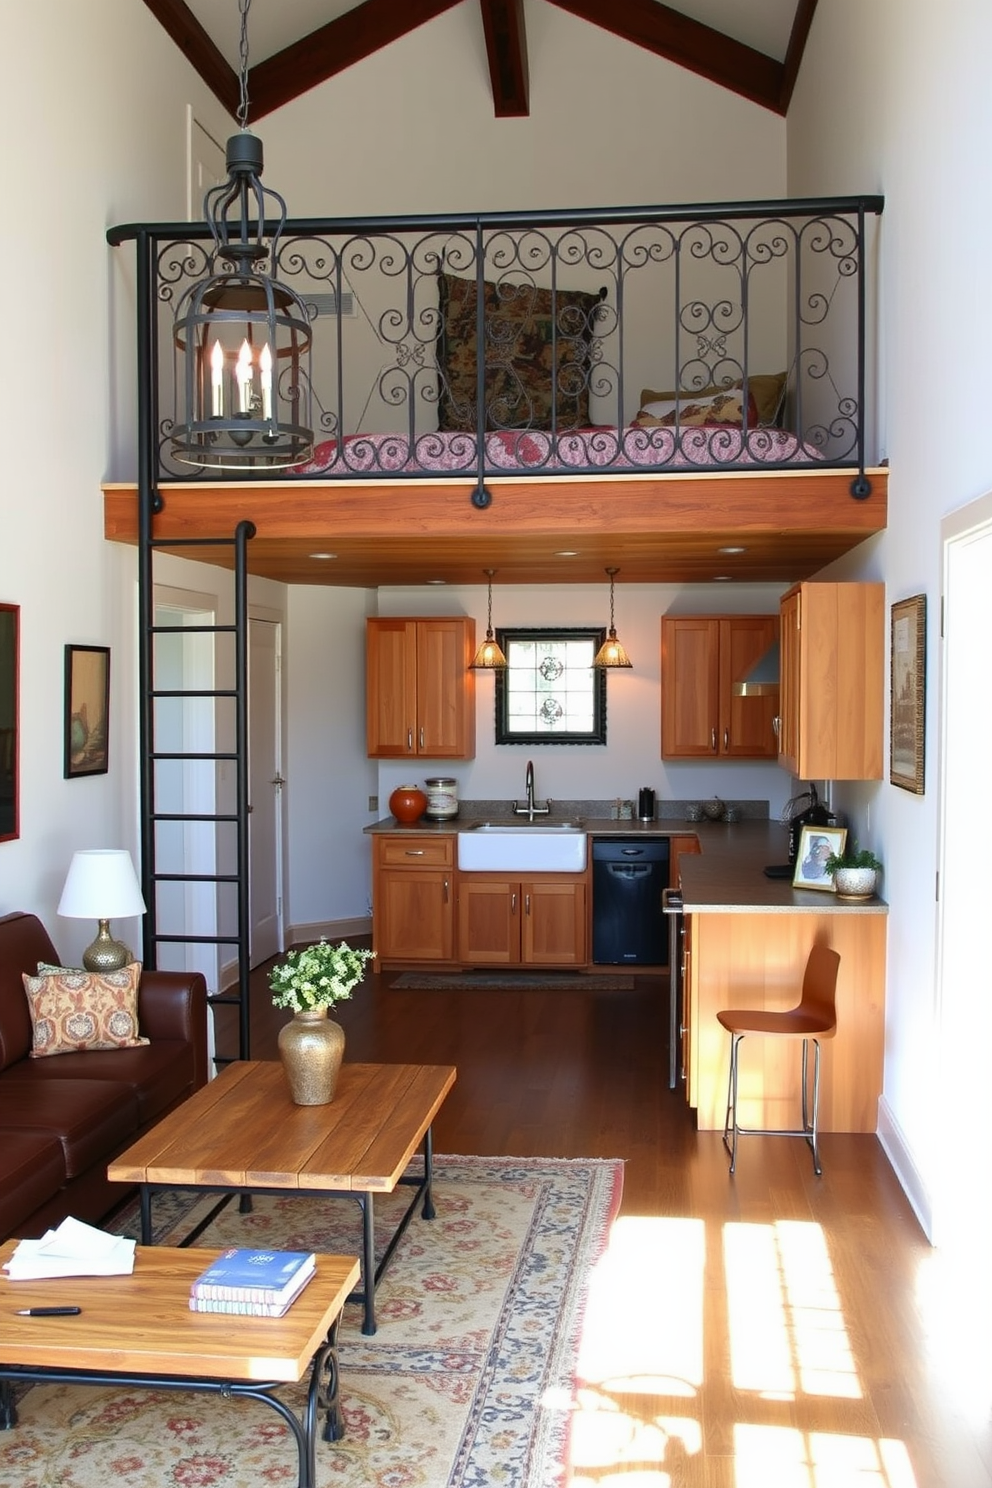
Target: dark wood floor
<point x="811" y="1305"/>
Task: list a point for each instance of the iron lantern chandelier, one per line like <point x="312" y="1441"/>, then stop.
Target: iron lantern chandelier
<point x="242" y="340"/>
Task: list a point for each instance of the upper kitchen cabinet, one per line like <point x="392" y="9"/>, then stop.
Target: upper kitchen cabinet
<point x="703" y="657"/>
<point x="833" y="649"/>
<point x="420" y="693"/>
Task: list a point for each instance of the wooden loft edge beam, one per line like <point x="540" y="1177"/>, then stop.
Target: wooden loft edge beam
<point x="794" y="53"/>
<point x="506" y="48"/>
<point x="178" y="20"/>
<point x="799" y="501"/>
<point x="332" y="48"/>
<point x="708" y="53"/>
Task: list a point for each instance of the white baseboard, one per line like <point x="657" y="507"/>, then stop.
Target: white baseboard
<point x="897" y="1150"/>
<point x="304" y="935"/>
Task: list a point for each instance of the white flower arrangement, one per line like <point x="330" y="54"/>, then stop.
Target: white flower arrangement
<point x="317" y="977"/>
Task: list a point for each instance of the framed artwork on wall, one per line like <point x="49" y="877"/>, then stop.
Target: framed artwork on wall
<point x="907" y="696"/>
<point x="87" y="710"/>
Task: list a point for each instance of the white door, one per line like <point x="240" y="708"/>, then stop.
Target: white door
<point x="265" y="788"/>
<point x="963" y="1206"/>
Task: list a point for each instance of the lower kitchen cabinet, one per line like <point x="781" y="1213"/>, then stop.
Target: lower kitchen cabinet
<point x="522" y="922"/>
<point x="414" y="899"/>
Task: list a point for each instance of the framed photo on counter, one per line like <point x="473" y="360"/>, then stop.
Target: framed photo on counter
<point x="816" y="845"/>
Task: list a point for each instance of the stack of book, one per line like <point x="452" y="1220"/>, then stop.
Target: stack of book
<point x="254" y="1283"/>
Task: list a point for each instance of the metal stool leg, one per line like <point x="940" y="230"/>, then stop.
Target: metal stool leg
<point x="730" y="1123"/>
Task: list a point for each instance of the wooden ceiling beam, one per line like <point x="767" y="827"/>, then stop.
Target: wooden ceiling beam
<point x="332" y="48"/>
<point x="798" y="37"/>
<point x="189" y="36"/>
<point x="506" y="48"/>
<point x="708" y="53"/>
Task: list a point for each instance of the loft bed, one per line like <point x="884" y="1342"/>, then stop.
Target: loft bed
<point x="690" y="370"/>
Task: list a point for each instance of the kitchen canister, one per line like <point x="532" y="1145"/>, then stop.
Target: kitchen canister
<point x="442" y="798"/>
<point x="408" y="804"/>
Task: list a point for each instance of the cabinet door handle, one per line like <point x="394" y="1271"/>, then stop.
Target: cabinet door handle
<point x="726" y="738"/>
<point x="776" y="726"/>
<point x="413" y="852"/>
<point x="513" y="904"/>
<point x="421" y="738"/>
<point x="713" y="740"/>
<point x="409" y="741"/>
<point x="445" y="891"/>
<point x="527" y="904"/>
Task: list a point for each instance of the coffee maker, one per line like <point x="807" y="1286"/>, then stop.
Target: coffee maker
<point x="803" y="810"/>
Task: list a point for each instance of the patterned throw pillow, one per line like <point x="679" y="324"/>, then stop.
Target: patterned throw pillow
<point x="536" y="355"/>
<point x="692" y="410"/>
<point x="76" y="1010"/>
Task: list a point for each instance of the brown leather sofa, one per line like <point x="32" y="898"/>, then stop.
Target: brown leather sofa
<point x="63" y="1118"/>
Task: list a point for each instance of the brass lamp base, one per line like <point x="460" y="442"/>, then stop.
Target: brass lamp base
<point x="105" y="953"/>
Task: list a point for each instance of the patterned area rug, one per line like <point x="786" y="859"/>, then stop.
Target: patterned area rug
<point x="469" y="1380"/>
<point x="512" y="981"/>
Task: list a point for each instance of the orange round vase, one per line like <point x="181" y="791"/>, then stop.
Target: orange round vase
<point x="408" y="804"/>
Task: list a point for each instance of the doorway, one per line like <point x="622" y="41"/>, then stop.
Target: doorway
<point x="265" y="786"/>
<point x="963" y="1208"/>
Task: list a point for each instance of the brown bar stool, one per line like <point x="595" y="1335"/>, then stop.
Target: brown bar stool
<point x="814" y="1018"/>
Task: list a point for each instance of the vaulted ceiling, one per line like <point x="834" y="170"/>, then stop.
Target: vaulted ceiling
<point x="754" y="48"/>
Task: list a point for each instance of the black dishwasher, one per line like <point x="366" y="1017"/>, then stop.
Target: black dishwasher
<point x="628" y="923"/>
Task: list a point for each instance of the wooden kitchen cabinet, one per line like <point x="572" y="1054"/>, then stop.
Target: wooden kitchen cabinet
<point x="702" y="657"/>
<point x="832" y="691"/>
<point x="509" y="921"/>
<point x="413" y="896"/>
<point x="420" y="691"/>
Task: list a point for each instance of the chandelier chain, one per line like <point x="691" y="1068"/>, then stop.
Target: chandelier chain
<point x="243" y="6"/>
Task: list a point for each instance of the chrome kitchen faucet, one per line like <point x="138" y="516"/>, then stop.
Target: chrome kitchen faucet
<point x="531" y="808"/>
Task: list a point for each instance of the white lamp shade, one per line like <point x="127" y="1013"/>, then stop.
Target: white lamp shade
<point x="101" y="885"/>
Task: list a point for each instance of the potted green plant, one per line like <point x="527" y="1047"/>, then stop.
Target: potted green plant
<point x="854" y="872"/>
<point x="311" y="1045"/>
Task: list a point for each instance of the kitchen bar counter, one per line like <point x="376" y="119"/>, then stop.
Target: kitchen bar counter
<point x="726" y="876"/>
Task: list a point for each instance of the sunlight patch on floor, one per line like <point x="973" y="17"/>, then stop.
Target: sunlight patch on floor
<point x="787" y="1332"/>
<point x="638" y="1413"/>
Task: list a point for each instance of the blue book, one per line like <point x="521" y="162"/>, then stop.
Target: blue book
<point x="271" y="1276"/>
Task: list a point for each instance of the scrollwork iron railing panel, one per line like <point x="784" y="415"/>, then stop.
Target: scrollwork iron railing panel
<point x="706" y="337"/>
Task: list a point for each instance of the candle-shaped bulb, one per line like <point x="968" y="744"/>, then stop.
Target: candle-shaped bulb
<point x="217" y="381"/>
<point x="243" y="373"/>
<point x="265" y="364"/>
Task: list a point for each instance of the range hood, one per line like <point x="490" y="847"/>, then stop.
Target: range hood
<point x="762" y="679"/>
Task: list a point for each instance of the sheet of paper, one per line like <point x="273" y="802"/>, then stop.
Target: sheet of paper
<point x="74" y="1249"/>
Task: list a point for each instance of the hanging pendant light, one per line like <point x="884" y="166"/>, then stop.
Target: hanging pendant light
<point x="611" y="652"/>
<point x="242" y="340"/>
<point x="489" y="657"/>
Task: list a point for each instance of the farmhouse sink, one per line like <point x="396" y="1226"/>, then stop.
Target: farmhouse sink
<point x="558" y="847"/>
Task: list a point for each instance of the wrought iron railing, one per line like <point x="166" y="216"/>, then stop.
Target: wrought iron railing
<point x="591" y="342"/>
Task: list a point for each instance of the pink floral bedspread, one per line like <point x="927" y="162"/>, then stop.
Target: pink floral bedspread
<point x="706" y="447"/>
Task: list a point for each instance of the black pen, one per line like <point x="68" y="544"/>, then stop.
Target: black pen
<point x="48" y="1311"/>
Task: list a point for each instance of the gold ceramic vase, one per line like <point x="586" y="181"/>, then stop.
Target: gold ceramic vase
<point x="311" y="1047"/>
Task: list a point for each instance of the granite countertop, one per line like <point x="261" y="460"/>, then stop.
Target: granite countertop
<point x="725" y="877"/>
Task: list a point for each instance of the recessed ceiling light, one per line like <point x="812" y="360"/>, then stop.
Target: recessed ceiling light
<point x="721" y="578"/>
<point x="323" y="555"/>
<point x="731" y="550"/>
<point x="437" y="581"/>
<point x="567" y="553"/>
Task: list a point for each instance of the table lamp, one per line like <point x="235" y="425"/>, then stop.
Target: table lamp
<point x="101" y="884"/>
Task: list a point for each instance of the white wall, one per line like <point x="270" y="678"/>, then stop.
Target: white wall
<point x="893" y="97"/>
<point x="631" y="756"/>
<point x="93" y="110"/>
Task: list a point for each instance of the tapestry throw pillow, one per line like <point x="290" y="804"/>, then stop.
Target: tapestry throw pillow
<point x="724" y="407"/>
<point x="766" y="391"/>
<point x="78" y="1010"/>
<point x="536" y="355"/>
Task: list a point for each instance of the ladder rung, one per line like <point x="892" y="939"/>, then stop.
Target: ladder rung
<point x="181" y="692"/>
<point x="194" y="878"/>
<point x="179" y="816"/>
<point x="192" y="630"/>
<point x="196" y="939"/>
<point x="179" y="755"/>
<point x="224" y="999"/>
<point x="192" y="542"/>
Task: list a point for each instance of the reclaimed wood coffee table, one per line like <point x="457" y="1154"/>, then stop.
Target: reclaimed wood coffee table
<point x="138" y="1331"/>
<point x="241" y="1133"/>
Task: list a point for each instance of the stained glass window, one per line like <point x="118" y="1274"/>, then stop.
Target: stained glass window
<point x="550" y="693"/>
